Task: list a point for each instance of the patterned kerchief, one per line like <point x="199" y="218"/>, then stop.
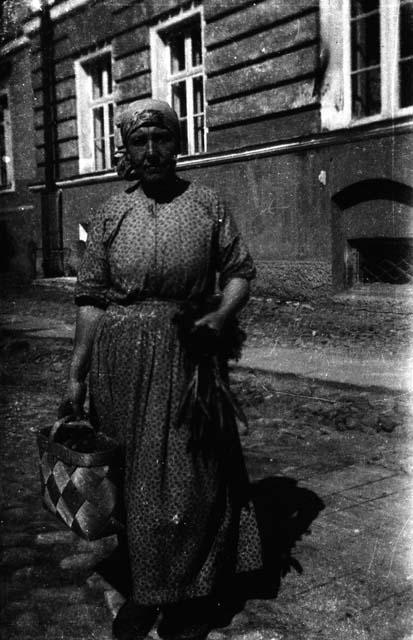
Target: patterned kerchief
<point x="148" y="113"/>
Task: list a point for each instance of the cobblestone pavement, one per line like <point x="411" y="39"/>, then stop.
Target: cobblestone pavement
<point x="372" y="325"/>
<point x="350" y="579"/>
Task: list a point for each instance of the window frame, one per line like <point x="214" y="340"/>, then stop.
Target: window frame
<point x="162" y="78"/>
<point x="8" y="144"/>
<point x="85" y="106"/>
<point x="336" y="99"/>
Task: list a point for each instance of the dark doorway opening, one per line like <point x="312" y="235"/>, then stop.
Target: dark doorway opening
<point x="387" y="260"/>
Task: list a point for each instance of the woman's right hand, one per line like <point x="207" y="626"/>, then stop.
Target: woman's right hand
<point x="87" y="319"/>
<point x="75" y="398"/>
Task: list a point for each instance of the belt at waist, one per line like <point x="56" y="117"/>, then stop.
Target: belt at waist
<point x="141" y="301"/>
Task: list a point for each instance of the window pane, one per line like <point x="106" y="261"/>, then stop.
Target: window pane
<point x="112" y="150"/>
<point x="406" y="29"/>
<point x="109" y="77"/>
<point x="406" y="83"/>
<point x="184" y="137"/>
<point x="358" y="7"/>
<point x="99" y="140"/>
<point x="177" y="45"/>
<point x="198" y="93"/>
<point x="180" y="106"/>
<point x="365" y="42"/>
<point x="111" y="136"/>
<point x="111" y="129"/>
<point x="179" y="98"/>
<point x="196" y="46"/>
<point x="100" y="71"/>
<point x="199" y="133"/>
<point x="3" y="175"/>
<point x="98" y="122"/>
<point x="97" y="82"/>
<point x="3" y="157"/>
<point x="366" y="99"/>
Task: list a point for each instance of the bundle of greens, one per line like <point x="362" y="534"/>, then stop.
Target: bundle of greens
<point x="208" y="405"/>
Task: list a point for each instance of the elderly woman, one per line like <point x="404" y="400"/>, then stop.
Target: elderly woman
<point x="159" y="243"/>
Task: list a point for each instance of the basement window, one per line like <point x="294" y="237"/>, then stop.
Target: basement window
<point x="387" y="260"/>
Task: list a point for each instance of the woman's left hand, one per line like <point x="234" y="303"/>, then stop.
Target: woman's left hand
<point x="214" y="320"/>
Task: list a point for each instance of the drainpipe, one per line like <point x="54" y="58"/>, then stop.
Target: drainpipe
<point x="52" y="232"/>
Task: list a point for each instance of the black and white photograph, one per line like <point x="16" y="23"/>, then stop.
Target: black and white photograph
<point x="206" y="319"/>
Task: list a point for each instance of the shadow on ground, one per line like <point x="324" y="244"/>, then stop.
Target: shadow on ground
<point x="284" y="511"/>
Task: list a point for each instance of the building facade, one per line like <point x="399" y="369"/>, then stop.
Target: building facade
<point x="299" y="113"/>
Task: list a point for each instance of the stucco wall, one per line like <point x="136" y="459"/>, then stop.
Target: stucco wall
<point x="283" y="206"/>
<point x="19" y="215"/>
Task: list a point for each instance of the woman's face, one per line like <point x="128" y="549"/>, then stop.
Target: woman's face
<point x="152" y="153"/>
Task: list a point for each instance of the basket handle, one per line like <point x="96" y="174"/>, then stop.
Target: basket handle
<point x="66" y="420"/>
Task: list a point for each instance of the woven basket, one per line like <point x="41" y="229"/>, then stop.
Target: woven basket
<point x="83" y="490"/>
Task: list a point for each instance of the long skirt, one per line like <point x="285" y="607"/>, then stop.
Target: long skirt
<point x="184" y="532"/>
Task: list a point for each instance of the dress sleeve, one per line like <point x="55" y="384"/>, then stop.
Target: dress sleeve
<point x="93" y="275"/>
<point x="234" y="259"/>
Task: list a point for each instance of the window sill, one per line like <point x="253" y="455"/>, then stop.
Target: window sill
<point x="372" y="124"/>
<point x="93" y="173"/>
<point x="325" y="138"/>
<point x="377" y="119"/>
<point x="80" y="179"/>
<point x="382" y="117"/>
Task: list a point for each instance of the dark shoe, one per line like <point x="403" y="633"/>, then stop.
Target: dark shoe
<point x="133" y="621"/>
<point x="185" y="620"/>
<point x="115" y="569"/>
<point x="185" y="632"/>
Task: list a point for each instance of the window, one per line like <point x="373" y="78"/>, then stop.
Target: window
<point x="382" y="260"/>
<point x="406" y="54"/>
<point x="178" y="75"/>
<point x="95" y="112"/>
<point x="370" y="70"/>
<point x="6" y="166"/>
<point x="365" y="58"/>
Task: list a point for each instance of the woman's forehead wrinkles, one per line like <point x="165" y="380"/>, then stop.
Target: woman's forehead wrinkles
<point x="150" y="131"/>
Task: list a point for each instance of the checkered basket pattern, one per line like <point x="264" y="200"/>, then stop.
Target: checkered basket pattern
<point x="83" y="490"/>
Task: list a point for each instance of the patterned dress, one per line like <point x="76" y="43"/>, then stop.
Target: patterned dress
<point x="142" y="258"/>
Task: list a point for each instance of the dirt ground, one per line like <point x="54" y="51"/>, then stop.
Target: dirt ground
<point x="297" y="429"/>
<point x="351" y="424"/>
<point x="373" y="327"/>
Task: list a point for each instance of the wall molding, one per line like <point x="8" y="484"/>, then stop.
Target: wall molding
<point x="14" y="45"/>
<point x="18" y="209"/>
<point x="306" y="143"/>
<point x="56" y="12"/>
<point x="324" y="139"/>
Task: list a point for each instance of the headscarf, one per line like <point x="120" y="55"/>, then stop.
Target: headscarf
<point x="145" y="113"/>
<point x="148" y="113"/>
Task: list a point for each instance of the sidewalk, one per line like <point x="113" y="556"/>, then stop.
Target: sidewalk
<point x="325" y="365"/>
<point x="352" y="577"/>
<point x="332" y="367"/>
